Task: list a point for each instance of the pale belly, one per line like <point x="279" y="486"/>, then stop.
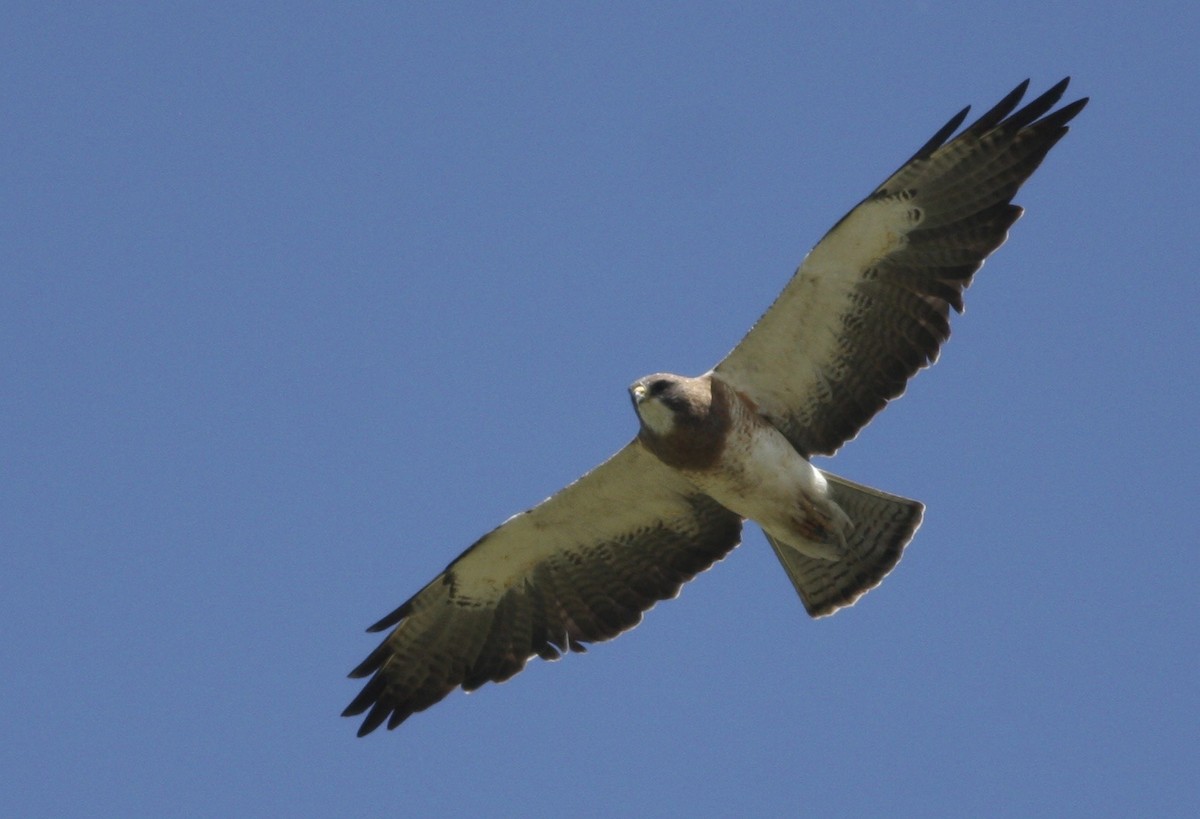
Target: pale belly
<point x="761" y="477"/>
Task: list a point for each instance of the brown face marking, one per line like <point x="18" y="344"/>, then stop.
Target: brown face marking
<point x="702" y="417"/>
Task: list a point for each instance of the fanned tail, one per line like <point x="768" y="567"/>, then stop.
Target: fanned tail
<point x="883" y="526"/>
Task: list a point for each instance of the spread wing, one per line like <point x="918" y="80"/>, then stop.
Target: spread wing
<point x="580" y="567"/>
<point x="870" y="305"/>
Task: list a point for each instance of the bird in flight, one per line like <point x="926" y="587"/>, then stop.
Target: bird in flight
<point x="867" y="308"/>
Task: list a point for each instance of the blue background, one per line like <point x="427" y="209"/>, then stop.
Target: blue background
<point x="297" y="300"/>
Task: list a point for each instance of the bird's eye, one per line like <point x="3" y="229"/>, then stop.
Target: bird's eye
<point x="659" y="387"/>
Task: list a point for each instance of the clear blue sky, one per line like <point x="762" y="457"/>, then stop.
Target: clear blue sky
<point x="296" y="301"/>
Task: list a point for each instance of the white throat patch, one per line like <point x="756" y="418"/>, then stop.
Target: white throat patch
<point x="657" y="416"/>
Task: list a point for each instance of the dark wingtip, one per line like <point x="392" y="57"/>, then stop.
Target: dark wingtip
<point x="941" y="136"/>
<point x="366" y="698"/>
<point x="391" y="619"/>
<point x="996" y="114"/>
<point x="373" y="661"/>
<point x="381" y="710"/>
<point x="1068" y="112"/>
<point x="379" y="713"/>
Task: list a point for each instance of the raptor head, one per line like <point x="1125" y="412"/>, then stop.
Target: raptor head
<point x="666" y="403"/>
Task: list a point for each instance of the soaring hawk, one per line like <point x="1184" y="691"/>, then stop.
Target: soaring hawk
<point x="867" y="308"/>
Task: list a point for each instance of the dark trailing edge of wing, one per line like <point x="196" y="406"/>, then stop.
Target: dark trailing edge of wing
<point x="962" y="185"/>
<point x="587" y="593"/>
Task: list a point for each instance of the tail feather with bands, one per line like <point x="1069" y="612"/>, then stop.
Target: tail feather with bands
<point x="883" y="526"/>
